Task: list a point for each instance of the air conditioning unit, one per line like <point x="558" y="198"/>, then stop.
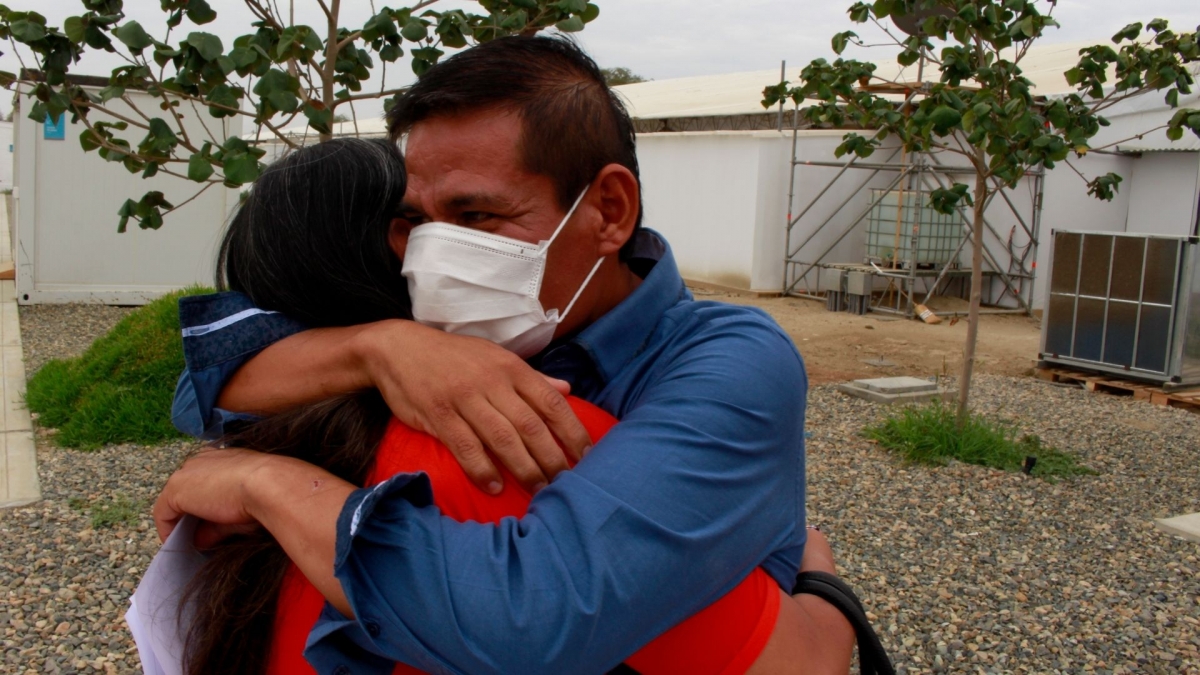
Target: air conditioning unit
<point x="1126" y="304"/>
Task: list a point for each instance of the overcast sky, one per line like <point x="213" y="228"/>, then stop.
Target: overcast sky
<point x="662" y="39"/>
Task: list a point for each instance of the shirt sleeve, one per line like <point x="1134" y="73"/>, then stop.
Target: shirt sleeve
<point x="700" y="482"/>
<point x="221" y="331"/>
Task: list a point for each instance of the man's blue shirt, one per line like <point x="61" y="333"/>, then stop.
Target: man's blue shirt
<point x="701" y="482"/>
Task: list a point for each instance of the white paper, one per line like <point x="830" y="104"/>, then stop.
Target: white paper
<point x="153" y="615"/>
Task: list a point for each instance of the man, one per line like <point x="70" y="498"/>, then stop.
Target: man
<point x="510" y="145"/>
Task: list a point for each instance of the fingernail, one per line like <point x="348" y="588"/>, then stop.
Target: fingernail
<point x="538" y="488"/>
<point x="494" y="487"/>
<point x="586" y="450"/>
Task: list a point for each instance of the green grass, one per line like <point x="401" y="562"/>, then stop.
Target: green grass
<point x="929" y="434"/>
<point x="120" y="390"/>
<point x="109" y="512"/>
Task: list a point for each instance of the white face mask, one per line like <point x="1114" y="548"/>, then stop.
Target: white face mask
<point x="468" y="282"/>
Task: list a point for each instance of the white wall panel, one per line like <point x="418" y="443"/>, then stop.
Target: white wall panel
<point x="1159" y="190"/>
<point x="68" y="247"/>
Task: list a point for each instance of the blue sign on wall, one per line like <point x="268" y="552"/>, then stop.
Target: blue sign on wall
<point x="55" y="130"/>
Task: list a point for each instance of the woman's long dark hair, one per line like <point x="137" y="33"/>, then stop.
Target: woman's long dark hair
<point x="310" y="241"/>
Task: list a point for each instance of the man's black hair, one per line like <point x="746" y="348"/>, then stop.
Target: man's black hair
<point x="573" y="124"/>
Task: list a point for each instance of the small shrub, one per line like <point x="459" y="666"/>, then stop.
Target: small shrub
<point x="120" y="390"/>
<point x="930" y="434"/>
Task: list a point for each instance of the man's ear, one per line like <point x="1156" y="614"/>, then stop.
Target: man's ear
<point x="618" y="199"/>
<point x="398" y="236"/>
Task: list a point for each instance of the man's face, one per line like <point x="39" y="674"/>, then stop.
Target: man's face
<point x="466" y="170"/>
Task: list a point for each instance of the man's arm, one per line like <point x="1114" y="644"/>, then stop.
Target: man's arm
<point x="469" y="393"/>
<point x="701" y="482"/>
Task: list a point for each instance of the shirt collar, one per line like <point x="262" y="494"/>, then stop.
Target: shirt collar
<point x="616" y="338"/>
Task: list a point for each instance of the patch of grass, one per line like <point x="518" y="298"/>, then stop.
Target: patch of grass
<point x="929" y="434"/>
<point x="109" y="512"/>
<point x="120" y="390"/>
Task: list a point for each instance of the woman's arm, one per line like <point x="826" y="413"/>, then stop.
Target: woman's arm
<point x="811" y="636"/>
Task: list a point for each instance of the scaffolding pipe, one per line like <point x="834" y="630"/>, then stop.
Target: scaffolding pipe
<point x="849" y="198"/>
<point x="848" y="230"/>
<point x="986" y="253"/>
<point x="828" y="186"/>
<point x="884" y="167"/>
<point x="1003" y="193"/>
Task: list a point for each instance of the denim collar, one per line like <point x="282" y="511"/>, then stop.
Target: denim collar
<point x="612" y="341"/>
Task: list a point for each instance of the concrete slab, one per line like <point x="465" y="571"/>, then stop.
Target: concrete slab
<point x="895" y="390"/>
<point x="18" y="457"/>
<point x="19" y="461"/>
<point x="897" y="385"/>
<point x="1187" y="526"/>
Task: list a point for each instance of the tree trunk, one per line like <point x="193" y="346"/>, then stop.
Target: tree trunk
<point x="977" y="227"/>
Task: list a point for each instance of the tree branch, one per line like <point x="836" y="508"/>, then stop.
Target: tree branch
<point x="191" y="199"/>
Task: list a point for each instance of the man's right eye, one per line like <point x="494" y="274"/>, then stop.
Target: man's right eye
<point x="474" y="218"/>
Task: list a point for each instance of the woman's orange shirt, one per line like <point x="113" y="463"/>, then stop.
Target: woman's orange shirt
<point x="724" y="638"/>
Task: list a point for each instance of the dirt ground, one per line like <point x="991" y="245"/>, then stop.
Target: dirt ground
<point x="838" y="346"/>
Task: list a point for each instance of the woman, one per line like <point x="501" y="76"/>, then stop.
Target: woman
<point x="311" y="241"/>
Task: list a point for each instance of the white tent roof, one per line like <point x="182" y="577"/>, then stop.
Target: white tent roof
<point x="741" y="93"/>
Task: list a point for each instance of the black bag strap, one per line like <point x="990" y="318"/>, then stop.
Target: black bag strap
<point x="872" y="658"/>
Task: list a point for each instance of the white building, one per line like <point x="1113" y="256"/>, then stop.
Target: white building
<point x="720" y="194"/>
<point x="6" y="155"/>
<point x="67" y="248"/>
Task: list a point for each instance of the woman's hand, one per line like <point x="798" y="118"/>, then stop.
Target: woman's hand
<point x="472" y="394"/>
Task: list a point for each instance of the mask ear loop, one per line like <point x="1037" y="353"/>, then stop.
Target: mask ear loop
<point x="566" y="219"/>
<point x="579" y="292"/>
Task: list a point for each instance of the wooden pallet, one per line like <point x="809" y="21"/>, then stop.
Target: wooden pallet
<point x="1185" y="399"/>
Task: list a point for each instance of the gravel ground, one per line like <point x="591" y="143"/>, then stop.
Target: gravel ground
<point x="61" y="331"/>
<point x="968" y="569"/>
<point x="964" y="569"/>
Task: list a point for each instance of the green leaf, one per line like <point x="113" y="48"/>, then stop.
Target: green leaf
<point x="241" y="169"/>
<point x="200" y="12"/>
<point x="88" y="140"/>
<point x="571" y="25"/>
<point x="1173" y="98"/>
<point x="27" y="31"/>
<point x="1130" y="32"/>
<point x="944" y="119"/>
<point x="842" y="39"/>
<point x="391" y="53"/>
<point x="132" y="35"/>
<point x="74" y="28"/>
<point x="591" y="13"/>
<point x="414" y="30"/>
<point x="110" y="92"/>
<point x="574" y="6"/>
<point x="199" y="168"/>
<point x="208" y="45"/>
<point x="320" y="119"/>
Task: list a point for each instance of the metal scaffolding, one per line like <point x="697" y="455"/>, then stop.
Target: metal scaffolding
<point x="906" y="274"/>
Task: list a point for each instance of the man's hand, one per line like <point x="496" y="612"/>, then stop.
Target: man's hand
<point x="210" y="486"/>
<point x="467" y="392"/>
<point x="235" y="490"/>
<point x="472" y="394"/>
